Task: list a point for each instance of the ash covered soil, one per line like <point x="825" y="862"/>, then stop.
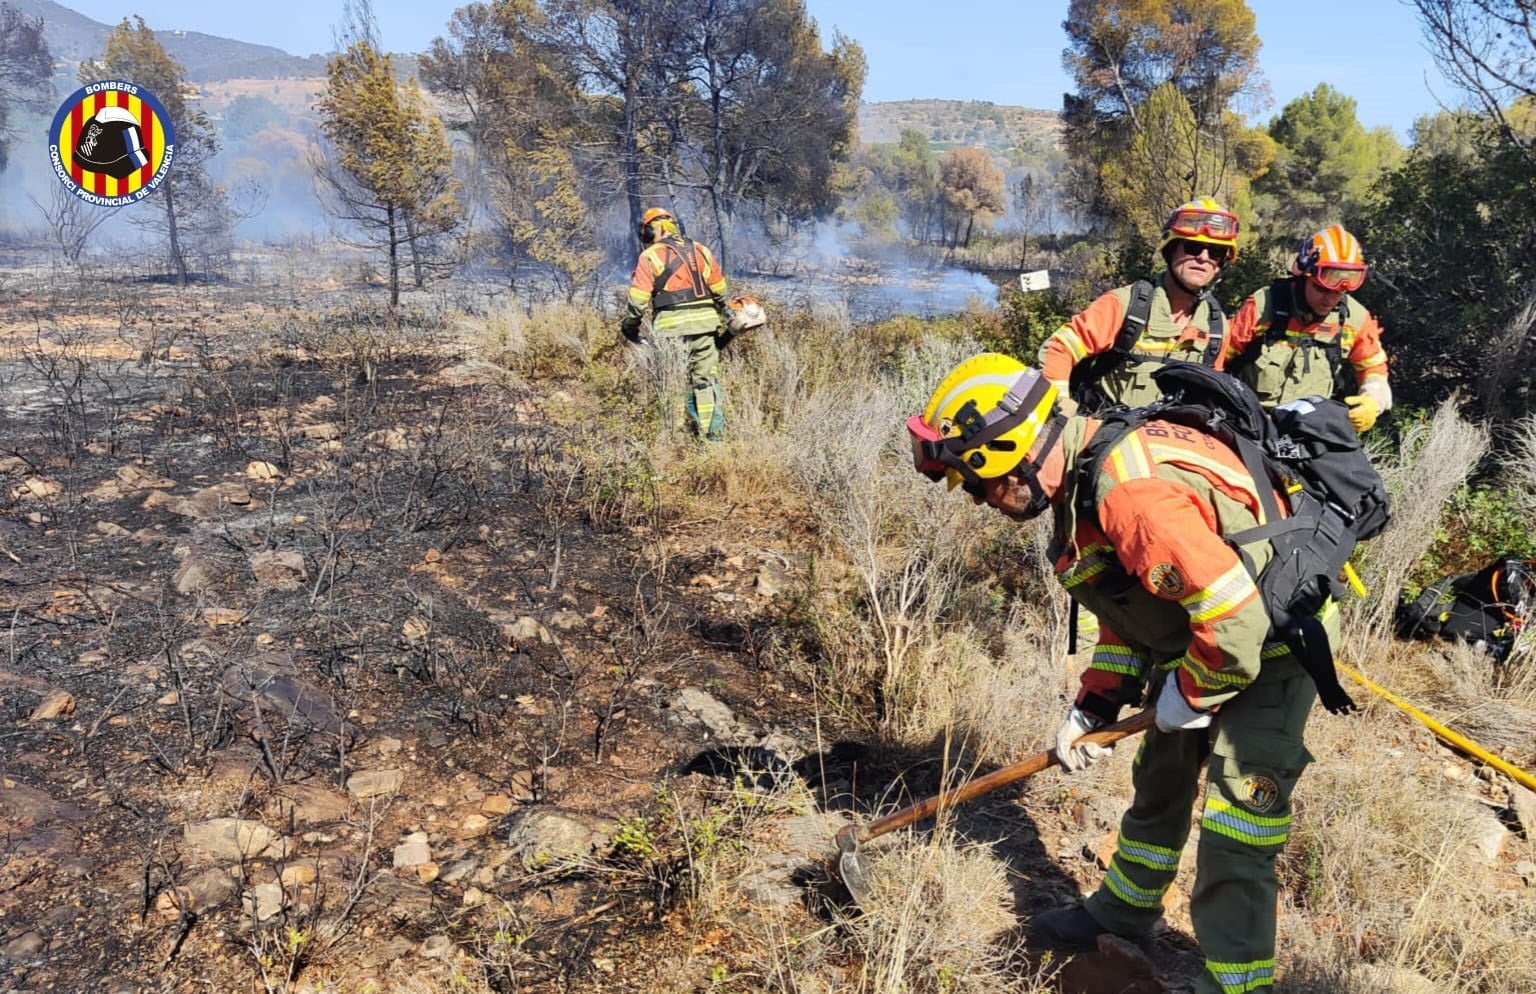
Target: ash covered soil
<point x="326" y="666"/>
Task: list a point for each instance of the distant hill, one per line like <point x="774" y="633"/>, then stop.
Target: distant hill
<point x="950" y="123"/>
<point x="73" y="37"/>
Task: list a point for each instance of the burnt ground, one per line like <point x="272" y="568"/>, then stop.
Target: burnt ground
<point x="284" y="599"/>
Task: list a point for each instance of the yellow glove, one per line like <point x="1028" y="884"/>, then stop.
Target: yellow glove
<point x="1363" y="412"/>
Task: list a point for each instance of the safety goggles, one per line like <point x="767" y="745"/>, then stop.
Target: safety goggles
<point x="1194" y="223"/>
<point x="1219" y="253"/>
<point x="927" y="448"/>
<point x="1339" y="276"/>
<point x="928" y="456"/>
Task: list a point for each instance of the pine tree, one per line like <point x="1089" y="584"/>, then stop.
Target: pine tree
<point x="387" y="166"/>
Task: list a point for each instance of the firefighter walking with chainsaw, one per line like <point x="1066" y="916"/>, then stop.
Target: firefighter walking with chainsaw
<point x="1105" y="355"/>
<point x="1306" y="336"/>
<point x="1152" y="527"/>
<point x="679" y="280"/>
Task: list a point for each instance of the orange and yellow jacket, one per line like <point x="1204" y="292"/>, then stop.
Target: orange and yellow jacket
<point x="1296" y="365"/>
<point x="680" y="281"/>
<point x="1094" y="329"/>
<point x="1152" y="564"/>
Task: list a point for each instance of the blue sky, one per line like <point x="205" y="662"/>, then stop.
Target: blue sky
<point x="1006" y="52"/>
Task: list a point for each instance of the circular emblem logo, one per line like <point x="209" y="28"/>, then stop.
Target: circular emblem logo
<point x="1260" y="793"/>
<point x="111" y="143"/>
<point x="1166" y="579"/>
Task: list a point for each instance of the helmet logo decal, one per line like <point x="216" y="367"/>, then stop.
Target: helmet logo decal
<point x="111" y="143"/>
<point x="1260" y="793"/>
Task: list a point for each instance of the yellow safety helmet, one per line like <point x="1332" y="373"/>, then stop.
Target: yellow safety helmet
<point x="1202" y="220"/>
<point x="982" y="421"/>
<point x="655" y="222"/>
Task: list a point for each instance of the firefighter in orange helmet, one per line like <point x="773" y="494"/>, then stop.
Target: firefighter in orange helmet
<point x="1305" y="335"/>
<point x="1140" y="536"/>
<point x="1104" y="356"/>
<point x="679" y="280"/>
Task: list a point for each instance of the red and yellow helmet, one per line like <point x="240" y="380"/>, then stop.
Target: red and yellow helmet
<point x="655" y="221"/>
<point x="1332" y="259"/>
<point x="982" y="420"/>
<point x="1202" y="220"/>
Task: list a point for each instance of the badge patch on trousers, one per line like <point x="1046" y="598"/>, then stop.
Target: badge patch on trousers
<point x="1260" y="793"/>
<point x="1166" y="579"/>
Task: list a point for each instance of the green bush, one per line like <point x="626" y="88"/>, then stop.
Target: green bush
<point x="1479" y="524"/>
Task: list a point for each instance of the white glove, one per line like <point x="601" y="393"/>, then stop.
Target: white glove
<point x="1174" y="713"/>
<point x="1083" y="755"/>
<point x="1064" y="402"/>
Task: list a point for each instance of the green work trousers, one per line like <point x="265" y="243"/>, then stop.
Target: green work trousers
<point x="1253" y="755"/>
<point x="705" y="403"/>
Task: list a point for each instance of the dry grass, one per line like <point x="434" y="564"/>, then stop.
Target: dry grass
<point x="1434" y="461"/>
<point x="933" y="920"/>
<point x="949" y="610"/>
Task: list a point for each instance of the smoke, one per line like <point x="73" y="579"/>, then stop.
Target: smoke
<point x="828" y="264"/>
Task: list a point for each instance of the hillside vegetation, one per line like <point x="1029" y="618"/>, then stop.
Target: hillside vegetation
<point x="349" y="655"/>
<point x="953" y="123"/>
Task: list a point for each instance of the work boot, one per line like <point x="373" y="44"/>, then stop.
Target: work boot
<point x="1067" y="928"/>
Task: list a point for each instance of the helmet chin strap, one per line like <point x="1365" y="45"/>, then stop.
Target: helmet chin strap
<point x="1028" y="469"/>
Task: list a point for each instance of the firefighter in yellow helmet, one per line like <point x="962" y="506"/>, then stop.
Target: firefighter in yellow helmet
<point x="679" y="280"/>
<point x="1140" y="536"/>
<point x="1306" y="336"/>
<point x="1104" y="356"/>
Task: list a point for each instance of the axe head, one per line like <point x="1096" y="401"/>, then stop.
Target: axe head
<point x="848" y="868"/>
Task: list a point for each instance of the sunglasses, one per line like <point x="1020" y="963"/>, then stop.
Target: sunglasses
<point x="1193" y="223"/>
<point x="1219" y="254"/>
<point x="1346" y="277"/>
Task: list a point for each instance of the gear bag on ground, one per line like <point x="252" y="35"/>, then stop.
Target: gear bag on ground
<point x="1308" y="451"/>
<point x="1485" y="609"/>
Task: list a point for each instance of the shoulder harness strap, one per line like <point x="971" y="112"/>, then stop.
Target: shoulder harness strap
<point x="1084" y="382"/>
<point x="1280" y="318"/>
<point x="682" y="258"/>
<point x="1137" y="310"/>
<point x="1216" y="322"/>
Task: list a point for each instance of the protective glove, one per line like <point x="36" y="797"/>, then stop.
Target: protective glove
<point x="1363" y="412"/>
<point x="1085" y="754"/>
<point x="1174" y="713"/>
<point x="633" y="333"/>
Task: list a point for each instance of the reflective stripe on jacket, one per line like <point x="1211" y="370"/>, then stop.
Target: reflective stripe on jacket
<point x="1094" y="329"/>
<point x="1297" y="365"/>
<point x="692" y="301"/>
<point x="1167" y="589"/>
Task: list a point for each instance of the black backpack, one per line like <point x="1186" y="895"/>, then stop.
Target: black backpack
<point x="1083" y="386"/>
<point x="1485" y="609"/>
<point x="1308" y="451"/>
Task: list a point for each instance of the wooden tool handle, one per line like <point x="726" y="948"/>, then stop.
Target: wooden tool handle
<point x="1027" y="767"/>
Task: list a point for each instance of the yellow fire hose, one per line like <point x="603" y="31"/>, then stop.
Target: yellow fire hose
<point x="1461" y="742"/>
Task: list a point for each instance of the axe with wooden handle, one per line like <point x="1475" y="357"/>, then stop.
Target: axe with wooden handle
<point x="849" y="836"/>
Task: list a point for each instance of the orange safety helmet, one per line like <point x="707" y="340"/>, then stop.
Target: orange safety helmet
<point x="659" y="217"/>
<point x="1202" y="220"/>
<point x="1332" y="259"/>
